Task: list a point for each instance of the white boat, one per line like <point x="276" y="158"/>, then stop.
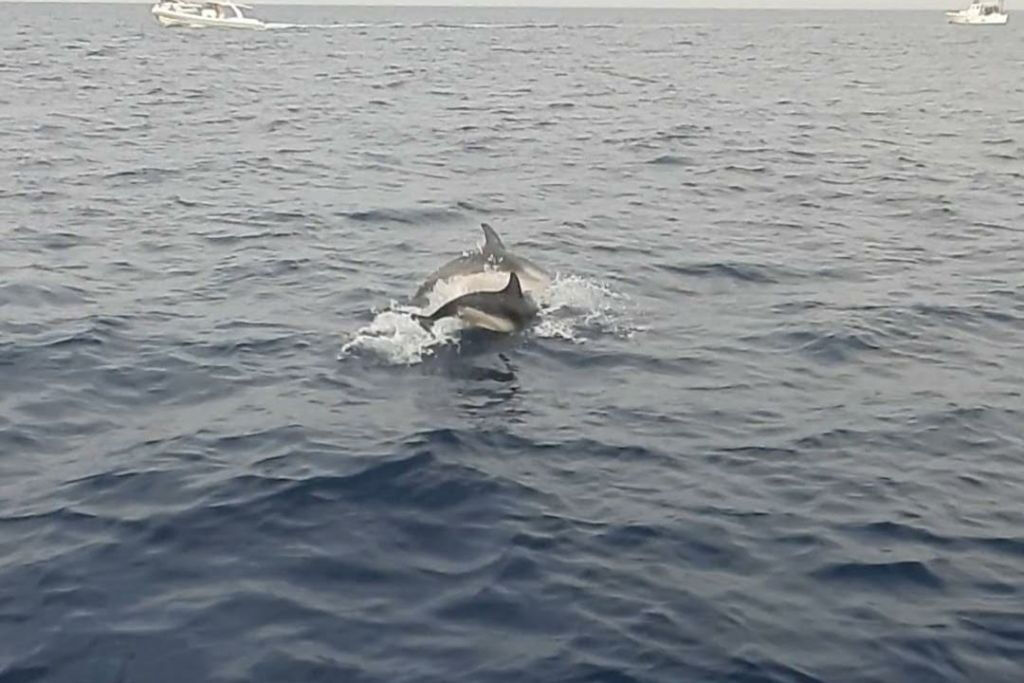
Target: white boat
<point x="205" y="14"/>
<point x="981" y="12"/>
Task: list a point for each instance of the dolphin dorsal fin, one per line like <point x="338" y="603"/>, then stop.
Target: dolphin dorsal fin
<point x="513" y="288"/>
<point x="493" y="245"/>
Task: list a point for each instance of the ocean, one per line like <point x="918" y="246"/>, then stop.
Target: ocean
<point x="768" y="427"/>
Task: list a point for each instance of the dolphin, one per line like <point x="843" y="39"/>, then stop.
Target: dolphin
<point x="508" y="310"/>
<point x="469" y="272"/>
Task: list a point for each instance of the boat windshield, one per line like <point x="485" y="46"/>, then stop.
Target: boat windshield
<point x="223" y="11"/>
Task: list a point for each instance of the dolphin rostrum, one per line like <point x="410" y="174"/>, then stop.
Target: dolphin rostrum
<point x="468" y="272"/>
<point x="508" y="310"/>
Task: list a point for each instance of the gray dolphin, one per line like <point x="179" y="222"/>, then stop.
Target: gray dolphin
<point x="493" y="256"/>
<point x="508" y="310"/>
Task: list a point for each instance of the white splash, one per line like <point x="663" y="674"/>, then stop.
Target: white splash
<point x="572" y="309"/>
<point x="397" y="338"/>
<point x="574" y="306"/>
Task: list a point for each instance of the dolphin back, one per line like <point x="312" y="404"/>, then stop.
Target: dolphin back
<point x="461" y="265"/>
<point x="505" y="310"/>
<point x="468" y="272"/>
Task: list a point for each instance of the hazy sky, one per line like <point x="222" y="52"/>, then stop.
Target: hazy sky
<point x="799" y="4"/>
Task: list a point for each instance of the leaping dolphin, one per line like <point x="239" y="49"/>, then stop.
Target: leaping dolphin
<point x="508" y="310"/>
<point x="491" y="257"/>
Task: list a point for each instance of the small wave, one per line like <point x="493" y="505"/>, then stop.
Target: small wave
<point x="745" y="169"/>
<point x="883" y="575"/>
<point x="142" y="174"/>
<point x="484" y="26"/>
<point x="742" y="272"/>
<point x="996" y="625"/>
<point x="839" y="348"/>
<point x="35" y="294"/>
<point x="281" y="26"/>
<point x="624" y="76"/>
<point x="671" y="160"/>
<point x="406" y="216"/>
<point x="191" y="202"/>
<point x="824" y="347"/>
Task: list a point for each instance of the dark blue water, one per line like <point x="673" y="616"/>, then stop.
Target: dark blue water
<point x="768" y="428"/>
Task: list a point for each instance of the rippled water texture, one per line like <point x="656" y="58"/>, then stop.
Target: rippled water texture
<point x="769" y="427"/>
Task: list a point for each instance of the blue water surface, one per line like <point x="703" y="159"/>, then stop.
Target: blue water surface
<point x="767" y="429"/>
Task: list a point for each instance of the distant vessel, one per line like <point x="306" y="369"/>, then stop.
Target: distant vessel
<point x="205" y="14"/>
<point x="981" y="12"/>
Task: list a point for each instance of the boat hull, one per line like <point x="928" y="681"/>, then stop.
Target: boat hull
<point x="990" y="20"/>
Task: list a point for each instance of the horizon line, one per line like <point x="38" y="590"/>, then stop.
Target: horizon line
<point x="749" y="5"/>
